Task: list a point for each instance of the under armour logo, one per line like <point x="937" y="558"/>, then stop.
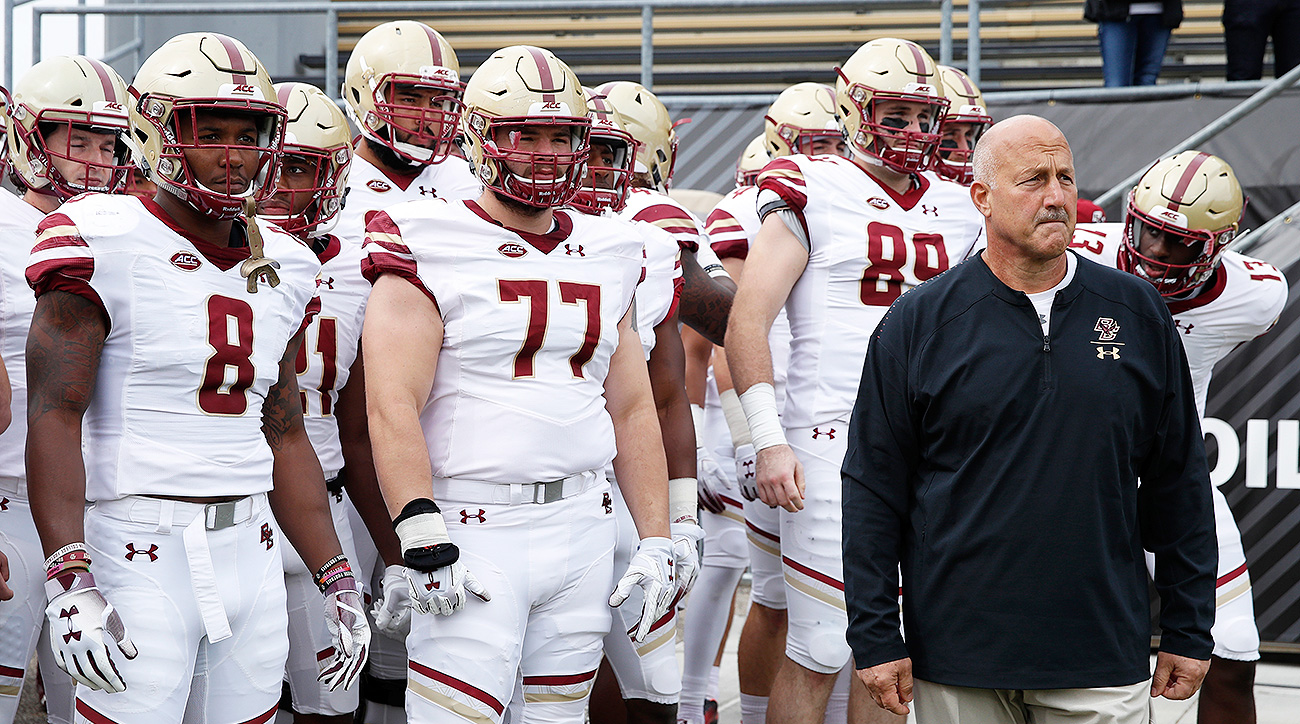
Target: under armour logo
<point x="608" y="503"/>
<point x="432" y="585"/>
<point x="929" y="210"/>
<point x="428" y="192"/>
<point x="480" y="516"/>
<point x="818" y="433"/>
<point x="1177" y="323"/>
<point x="748" y="465"/>
<point x="571" y="250"/>
<point x="71" y="635"/>
<point x="327" y="282"/>
<point x="131" y="552"/>
<point x="4" y="504"/>
<point x="1103" y="353"/>
<point x="268" y="536"/>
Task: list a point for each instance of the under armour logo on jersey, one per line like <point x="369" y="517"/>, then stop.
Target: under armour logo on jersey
<point x="608" y="503"/>
<point x="4" y="504"/>
<point x="571" y="250"/>
<point x="1103" y="352"/>
<point x="817" y="432"/>
<point x="132" y="552"/>
<point x="929" y="210"/>
<point x="1185" y="329"/>
<point x="428" y="192"/>
<point x="480" y="516"/>
<point x="268" y="536"/>
<point x="327" y="282"/>
<point x="71" y="635"/>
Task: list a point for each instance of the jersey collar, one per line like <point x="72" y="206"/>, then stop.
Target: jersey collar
<point x="1208" y="293"/>
<point x="222" y="257"/>
<point x="544" y="243"/>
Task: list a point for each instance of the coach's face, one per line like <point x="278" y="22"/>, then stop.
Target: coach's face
<point x="1028" y="195"/>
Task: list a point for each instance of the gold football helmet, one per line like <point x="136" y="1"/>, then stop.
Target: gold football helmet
<point x="1195" y="200"/>
<point x="953" y="159"/>
<point x="752" y="161"/>
<point x="64" y="93"/>
<point x="607" y="182"/>
<point x="888" y="69"/>
<point x="802" y="114"/>
<point x="398" y="55"/>
<point x="195" y="73"/>
<point x="647" y="120"/>
<point x="316" y="136"/>
<point x="512" y="94"/>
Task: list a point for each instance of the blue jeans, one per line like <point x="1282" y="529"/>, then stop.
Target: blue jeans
<point x="1132" y="51"/>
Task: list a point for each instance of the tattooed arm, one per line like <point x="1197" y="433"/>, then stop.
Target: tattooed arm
<point x="63" y="352"/>
<point x="299" y="500"/>
<point x="706" y="302"/>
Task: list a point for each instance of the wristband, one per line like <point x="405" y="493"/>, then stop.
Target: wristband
<point x="61" y="567"/>
<point x="735" y="417"/>
<point x="759" y="402"/>
<point x="416" y="507"/>
<point x="334" y="571"/>
<point x="683" y="500"/>
<point x="70" y="552"/>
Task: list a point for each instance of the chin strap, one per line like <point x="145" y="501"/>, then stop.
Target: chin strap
<point x="257" y="266"/>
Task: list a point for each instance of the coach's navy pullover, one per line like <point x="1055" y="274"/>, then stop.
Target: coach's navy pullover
<point x="1001" y="467"/>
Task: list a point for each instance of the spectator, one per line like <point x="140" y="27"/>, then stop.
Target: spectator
<point x="1247" y="26"/>
<point x="1133" y="38"/>
<point x="1005" y="413"/>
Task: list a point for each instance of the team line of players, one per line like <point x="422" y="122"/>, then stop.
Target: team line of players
<point x="528" y="301"/>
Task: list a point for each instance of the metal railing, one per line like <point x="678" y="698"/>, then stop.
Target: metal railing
<point x="331" y="10"/>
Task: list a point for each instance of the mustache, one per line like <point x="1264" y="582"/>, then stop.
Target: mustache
<point x="1049" y="215"/>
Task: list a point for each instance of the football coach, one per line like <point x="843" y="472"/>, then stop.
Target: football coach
<point x="1024" y="428"/>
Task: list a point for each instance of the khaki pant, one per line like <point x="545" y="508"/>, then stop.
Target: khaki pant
<point x="943" y="704"/>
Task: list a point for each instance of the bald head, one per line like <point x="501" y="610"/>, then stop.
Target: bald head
<point x="1004" y="136"/>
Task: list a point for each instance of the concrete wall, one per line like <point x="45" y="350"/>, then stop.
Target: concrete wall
<point x="277" y="40"/>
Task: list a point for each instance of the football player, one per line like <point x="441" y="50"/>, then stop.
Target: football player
<point x="647" y="672"/>
<point x="809" y="256"/>
<point x="67" y="136"/>
<point x="169" y="329"/>
<point x="1179" y="221"/>
<point x="402" y="88"/>
<point x="307" y="202"/>
<point x="801" y="120"/>
<point x="503" y="363"/>
<point x="967" y="119"/>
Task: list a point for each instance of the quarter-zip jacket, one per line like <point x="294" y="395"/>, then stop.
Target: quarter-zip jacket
<point x="1001" y="468"/>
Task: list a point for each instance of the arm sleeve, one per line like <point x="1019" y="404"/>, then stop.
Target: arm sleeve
<point x="385" y="252"/>
<point x="781" y="186"/>
<point x="877" y="472"/>
<point x="62" y="260"/>
<point x="1176" y="514"/>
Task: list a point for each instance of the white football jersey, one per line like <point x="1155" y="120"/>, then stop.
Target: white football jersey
<point x="530" y="322"/>
<point x="1240" y="302"/>
<point x="731" y="227"/>
<point x="18" y="220"/>
<point x="659" y="292"/>
<point x="370" y="189"/>
<point x="329" y="347"/>
<point x="651" y="207"/>
<point x="868" y="244"/>
<point x="190" y="354"/>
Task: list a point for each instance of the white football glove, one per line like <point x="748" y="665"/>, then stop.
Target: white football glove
<point x="82" y="622"/>
<point x="686" y="555"/>
<point x="392" y="611"/>
<point x="651" y="569"/>
<point x="345" y="618"/>
<point x="435" y="575"/>
<point x="747" y="471"/>
<point x="711" y="479"/>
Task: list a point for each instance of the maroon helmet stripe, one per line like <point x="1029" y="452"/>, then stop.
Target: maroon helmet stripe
<point x="105" y="80"/>
<point x="236" y="59"/>
<point x="282" y="94"/>
<point x="919" y="57"/>
<point x="543" y="72"/>
<point x="970" y="87"/>
<point x="434" y="46"/>
<point x="1186" y="179"/>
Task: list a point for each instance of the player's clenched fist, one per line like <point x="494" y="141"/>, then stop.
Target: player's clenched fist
<point x="82" y="621"/>
<point x="651" y="569"/>
<point x="780" y="478"/>
<point x="437" y="579"/>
